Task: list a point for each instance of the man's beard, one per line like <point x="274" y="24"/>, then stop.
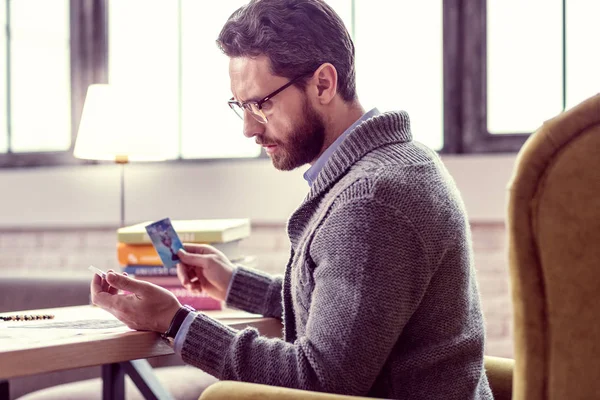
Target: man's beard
<point x="304" y="142"/>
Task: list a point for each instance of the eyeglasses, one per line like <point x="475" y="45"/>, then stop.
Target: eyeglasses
<point x="255" y="107"/>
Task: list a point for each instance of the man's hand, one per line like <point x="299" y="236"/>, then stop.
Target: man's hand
<point x="147" y="307"/>
<point x="204" y="268"/>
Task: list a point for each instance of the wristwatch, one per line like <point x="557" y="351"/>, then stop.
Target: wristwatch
<point x="176" y="322"/>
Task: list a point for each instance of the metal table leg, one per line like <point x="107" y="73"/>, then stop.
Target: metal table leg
<point x="4" y="390"/>
<point x="113" y="382"/>
<point x="142" y="375"/>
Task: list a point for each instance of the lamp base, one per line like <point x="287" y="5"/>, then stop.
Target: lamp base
<point x="121" y="159"/>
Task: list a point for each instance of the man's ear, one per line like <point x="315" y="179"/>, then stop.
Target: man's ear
<point x="326" y="80"/>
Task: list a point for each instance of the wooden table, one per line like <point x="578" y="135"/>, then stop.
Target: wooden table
<point x="121" y="351"/>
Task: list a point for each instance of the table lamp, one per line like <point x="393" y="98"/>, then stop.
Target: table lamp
<point x="117" y="124"/>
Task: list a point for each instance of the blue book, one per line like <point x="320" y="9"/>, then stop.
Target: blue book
<point x="150" y="270"/>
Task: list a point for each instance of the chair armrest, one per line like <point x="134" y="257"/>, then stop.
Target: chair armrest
<point x="231" y="390"/>
<point x="499" y="372"/>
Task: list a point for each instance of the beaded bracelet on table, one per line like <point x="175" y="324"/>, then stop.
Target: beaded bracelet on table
<point x="26" y="317"/>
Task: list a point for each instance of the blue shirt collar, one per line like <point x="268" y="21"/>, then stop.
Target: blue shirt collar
<point x="311" y="174"/>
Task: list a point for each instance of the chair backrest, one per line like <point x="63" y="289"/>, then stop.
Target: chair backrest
<point x="554" y="254"/>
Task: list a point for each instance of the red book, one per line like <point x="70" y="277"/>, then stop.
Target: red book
<point x="164" y="281"/>
<point x="199" y="301"/>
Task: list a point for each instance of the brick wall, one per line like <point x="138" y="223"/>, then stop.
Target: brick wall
<point x="491" y="263"/>
<point x="71" y="251"/>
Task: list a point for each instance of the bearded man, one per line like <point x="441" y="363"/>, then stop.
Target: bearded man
<point x="379" y="296"/>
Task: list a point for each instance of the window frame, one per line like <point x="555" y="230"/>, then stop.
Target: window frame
<point x="452" y="91"/>
<point x="476" y="137"/>
<point x="464" y="64"/>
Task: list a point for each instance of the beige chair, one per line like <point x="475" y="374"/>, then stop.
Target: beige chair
<point x="554" y="249"/>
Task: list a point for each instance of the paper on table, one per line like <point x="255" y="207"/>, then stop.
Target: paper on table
<point x="19" y="333"/>
<point x="94" y="324"/>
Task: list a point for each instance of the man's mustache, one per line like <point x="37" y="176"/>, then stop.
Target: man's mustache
<point x="263" y="142"/>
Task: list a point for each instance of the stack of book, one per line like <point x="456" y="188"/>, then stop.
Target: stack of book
<point x="137" y="256"/>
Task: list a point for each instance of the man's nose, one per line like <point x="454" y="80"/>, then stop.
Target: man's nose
<point x="251" y="126"/>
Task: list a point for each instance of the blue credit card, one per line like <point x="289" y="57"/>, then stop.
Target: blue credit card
<point x="165" y="241"/>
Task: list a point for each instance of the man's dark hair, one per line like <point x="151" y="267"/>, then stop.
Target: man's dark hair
<point x="296" y="35"/>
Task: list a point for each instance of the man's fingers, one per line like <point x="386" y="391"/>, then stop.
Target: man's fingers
<point x="197" y="284"/>
<point x="182" y="274"/>
<point x="112" y="290"/>
<point x="201" y="282"/>
<point x="104" y="300"/>
<point x="96" y="284"/>
<point x="99" y="285"/>
<point x="105" y="286"/>
<point x="125" y="283"/>
<point x="192" y="259"/>
<point x="187" y="275"/>
<point x="198" y="248"/>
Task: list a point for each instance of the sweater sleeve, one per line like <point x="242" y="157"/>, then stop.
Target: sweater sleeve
<point x="256" y="292"/>
<point x="370" y="274"/>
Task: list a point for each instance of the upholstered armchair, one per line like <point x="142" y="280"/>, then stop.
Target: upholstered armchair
<point x="554" y="250"/>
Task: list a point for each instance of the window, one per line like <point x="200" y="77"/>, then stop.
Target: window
<point x="583" y="59"/>
<point x="189" y="81"/>
<point x="209" y="129"/>
<point x="145" y="60"/>
<point x="40" y="76"/>
<point x="474" y="76"/>
<point x="54" y="51"/>
<point x="3" y="74"/>
<point x="520" y="69"/>
<point x="181" y="75"/>
<point x="344" y="8"/>
<point x="399" y="62"/>
<point x="523" y="64"/>
<point x="36" y="76"/>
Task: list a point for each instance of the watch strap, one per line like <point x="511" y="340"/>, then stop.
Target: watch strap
<point x="177" y="320"/>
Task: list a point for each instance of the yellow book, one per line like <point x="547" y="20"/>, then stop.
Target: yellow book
<point x="192" y="230"/>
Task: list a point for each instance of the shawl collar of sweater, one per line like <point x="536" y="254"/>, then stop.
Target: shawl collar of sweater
<point x="380" y="130"/>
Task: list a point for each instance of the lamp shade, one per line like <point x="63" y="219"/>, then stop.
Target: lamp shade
<point x="120" y="124"/>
